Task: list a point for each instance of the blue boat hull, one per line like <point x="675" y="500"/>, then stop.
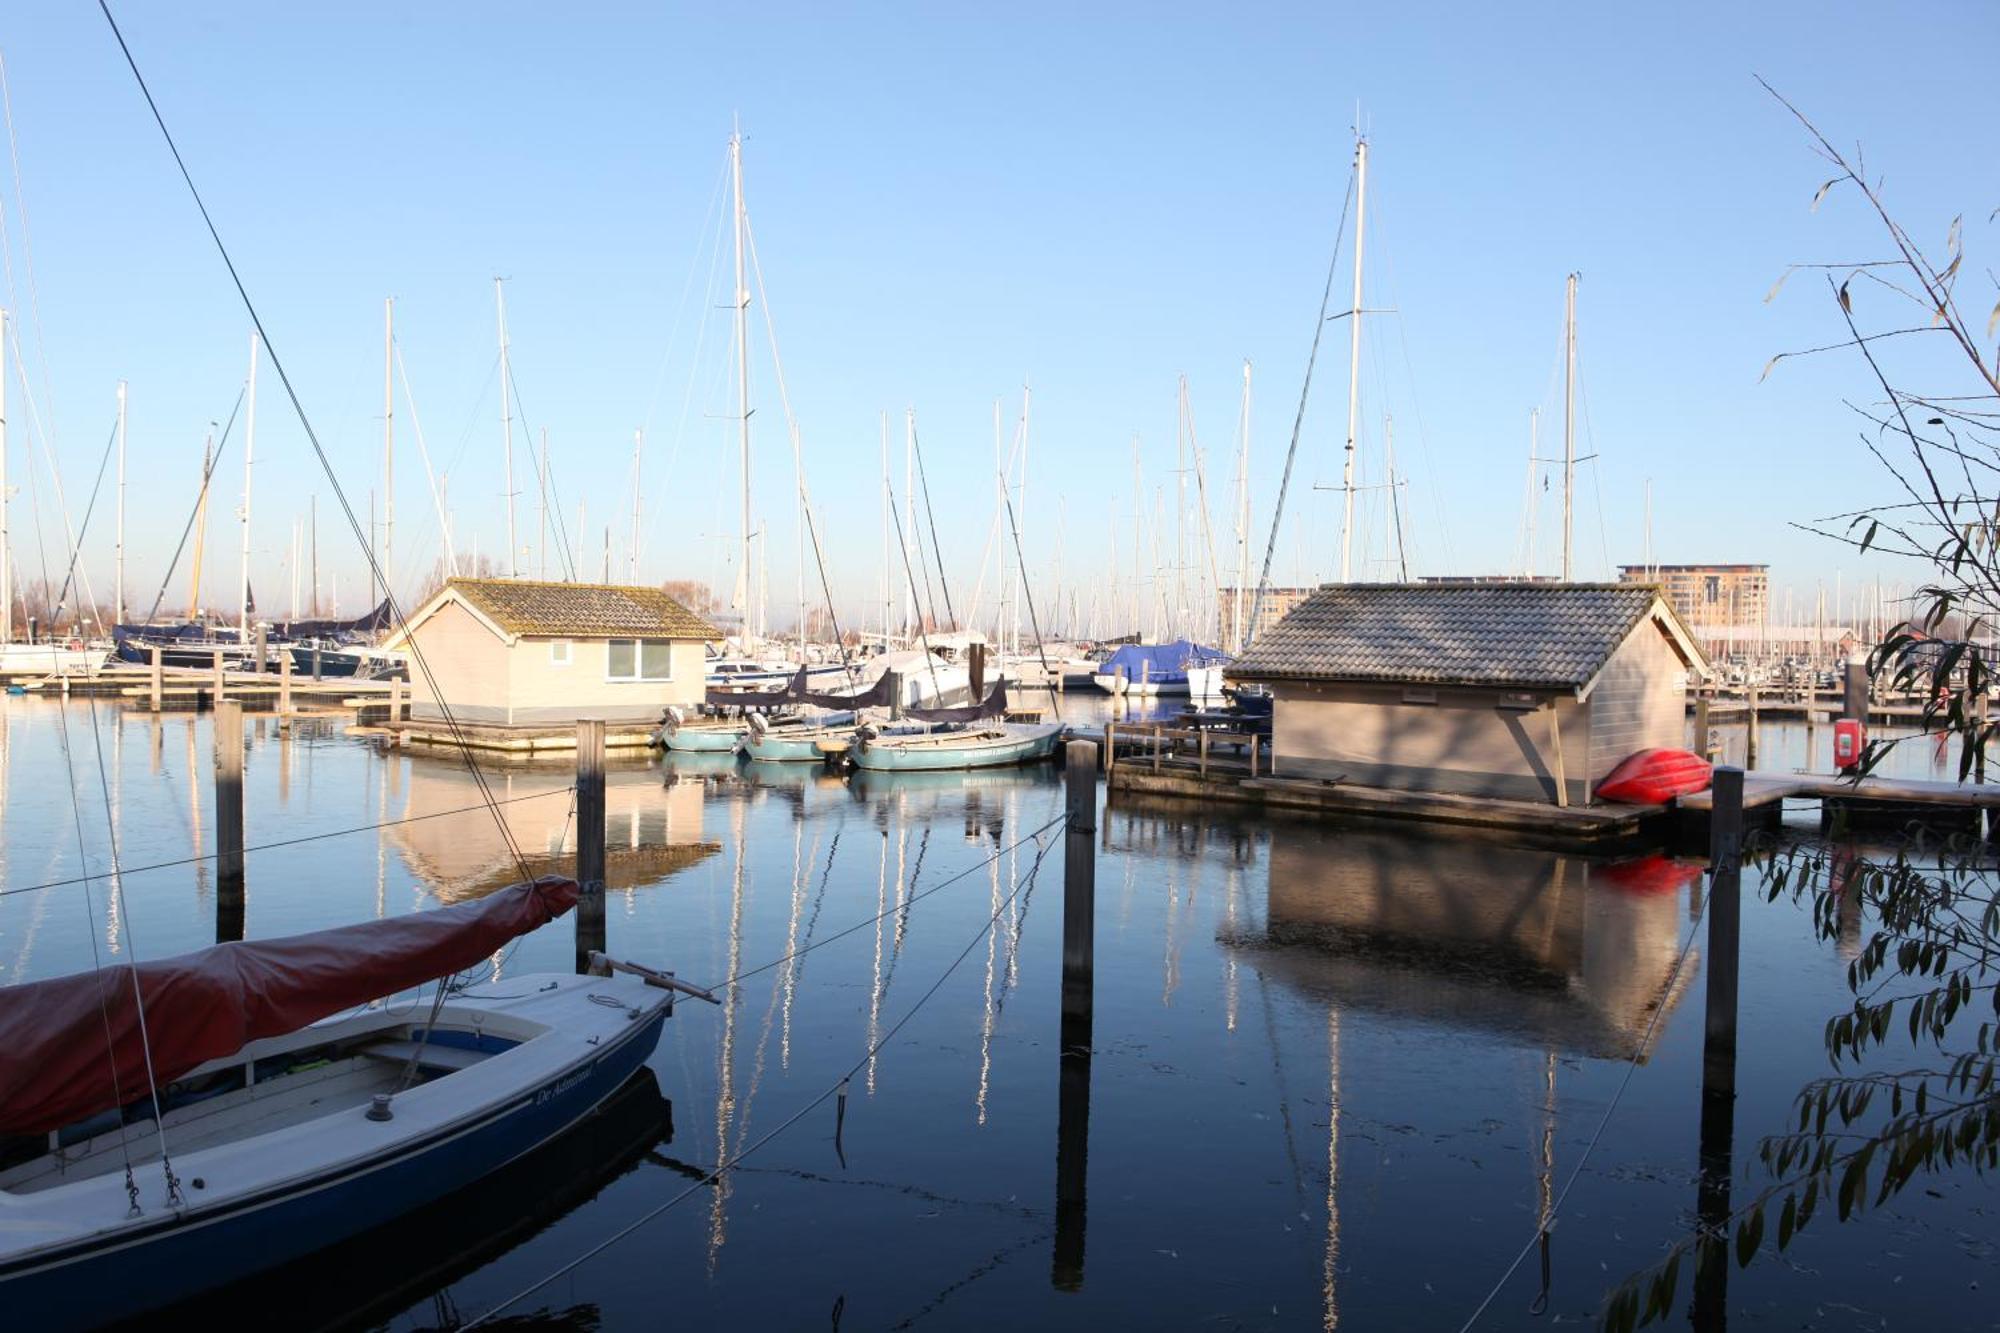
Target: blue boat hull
<point x="139" y="1271"/>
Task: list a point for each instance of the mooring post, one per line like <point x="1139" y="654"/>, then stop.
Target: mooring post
<point x="1750" y="737"/>
<point x="220" y="680"/>
<point x="1718" y="1071"/>
<point x="895" y="679"/>
<point x="1725" y="874"/>
<point x="284" y="690"/>
<point x="1073" y="1087"/>
<point x="317" y="665"/>
<point x="1110" y="747"/>
<point x="1854" y="700"/>
<point x="158" y="674"/>
<point x="1701" y="725"/>
<point x="1079" y="892"/>
<point x="589" y="840"/>
<point x="263" y="649"/>
<point x="228" y="720"/>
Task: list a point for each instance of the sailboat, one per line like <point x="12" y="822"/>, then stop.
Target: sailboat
<point x="172" y="1126"/>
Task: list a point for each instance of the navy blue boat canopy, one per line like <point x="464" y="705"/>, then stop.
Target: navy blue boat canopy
<point x="1161" y="661"/>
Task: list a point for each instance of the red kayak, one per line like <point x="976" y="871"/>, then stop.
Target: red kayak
<point x="1654" y="777"/>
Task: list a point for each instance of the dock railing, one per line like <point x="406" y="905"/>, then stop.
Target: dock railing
<point x="1156" y="743"/>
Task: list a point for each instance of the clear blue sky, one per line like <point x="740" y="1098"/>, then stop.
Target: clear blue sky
<point x="949" y="205"/>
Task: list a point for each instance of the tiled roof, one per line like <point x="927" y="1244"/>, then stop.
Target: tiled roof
<point x="582" y="610"/>
<point x="1511" y="635"/>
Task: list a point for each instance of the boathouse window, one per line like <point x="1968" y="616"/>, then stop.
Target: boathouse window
<point x="640" y="659"/>
<point x="559" y="652"/>
<point x="1414" y="695"/>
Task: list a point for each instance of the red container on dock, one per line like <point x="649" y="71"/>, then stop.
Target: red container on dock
<point x="1849" y="737"/>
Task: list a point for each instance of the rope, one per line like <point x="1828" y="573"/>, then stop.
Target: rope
<point x="1631" y="1067"/>
<point x="319" y="451"/>
<point x="902" y="542"/>
<point x="937" y="550"/>
<point x="283" y="842"/>
<point x="731" y="1160"/>
<point x="1299" y="421"/>
<point x="76" y="549"/>
<point x="174" y="1199"/>
<point x="1028" y="595"/>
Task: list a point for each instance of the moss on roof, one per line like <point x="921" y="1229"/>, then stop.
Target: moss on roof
<point x="582" y="610"/>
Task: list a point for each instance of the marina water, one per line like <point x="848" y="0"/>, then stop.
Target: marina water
<point x="1339" y="1073"/>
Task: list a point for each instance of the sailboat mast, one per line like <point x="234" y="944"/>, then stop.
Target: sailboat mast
<point x="249" y="456"/>
<point x="388" y="446"/>
<point x="6" y="553"/>
<point x="887" y="600"/>
<point x="1353" y="363"/>
<point x="1242" y="518"/>
<point x="742" y="370"/>
<point x="507" y="424"/>
<point x="118" y="595"/>
<point x="312" y="515"/>
<point x="542" y="508"/>
<point x="200" y="527"/>
<point x="1569" y="418"/>
<point x="1180" y="616"/>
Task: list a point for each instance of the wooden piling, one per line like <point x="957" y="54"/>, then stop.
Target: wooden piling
<point x="1750" y="736"/>
<point x="228" y="820"/>
<point x="1725" y="908"/>
<point x="589" y="840"/>
<point x="1073" y="1081"/>
<point x="263" y="649"/>
<point x="285" y="690"/>
<point x="158" y="655"/>
<point x="1710" y="1300"/>
<point x="1854" y="697"/>
<point x="221" y="679"/>
<point x="1701" y="725"/>
<point x="318" y="666"/>
<point x="1079" y="893"/>
<point x="1204" y="754"/>
<point x="1109" y="756"/>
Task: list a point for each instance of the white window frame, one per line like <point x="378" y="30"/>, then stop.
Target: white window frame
<point x="562" y="652"/>
<point x="638" y="662"/>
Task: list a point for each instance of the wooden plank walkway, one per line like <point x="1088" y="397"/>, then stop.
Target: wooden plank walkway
<point x="1767" y="788"/>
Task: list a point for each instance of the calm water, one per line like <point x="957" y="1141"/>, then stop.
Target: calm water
<point x="1337" y="1076"/>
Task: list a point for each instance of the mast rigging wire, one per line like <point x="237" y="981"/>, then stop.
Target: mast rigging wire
<point x="201" y="495"/>
<point x="319" y="451"/>
<point x="1298" y="422"/>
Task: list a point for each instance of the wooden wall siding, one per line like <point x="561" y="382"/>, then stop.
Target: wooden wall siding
<point x="485" y="680"/>
<point x="469" y="664"/>
<point x="1640" y="702"/>
<point x="544" y="693"/>
<point x="1464" y="743"/>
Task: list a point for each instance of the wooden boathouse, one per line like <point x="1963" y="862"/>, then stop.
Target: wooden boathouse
<point x="525" y="654"/>
<point x="1511" y="691"/>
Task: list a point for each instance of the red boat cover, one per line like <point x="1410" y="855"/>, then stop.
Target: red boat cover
<point x="1654" y="777"/>
<point x="206" y="1005"/>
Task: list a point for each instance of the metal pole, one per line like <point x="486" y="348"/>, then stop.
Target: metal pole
<point x="507" y="426"/>
<point x="156" y="652"/>
<point x="6" y="556"/>
<point x="1569" y="418"/>
<point x="249" y="456"/>
<point x="388" y="447"/>
<point x="1354" y="361"/>
<point x="589" y="840"/>
<point x="118" y="597"/>
<point x="742" y="375"/>
<point x="228" y="821"/>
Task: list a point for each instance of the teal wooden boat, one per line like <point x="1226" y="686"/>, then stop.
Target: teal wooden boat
<point x="705" y="736"/>
<point x="984" y="745"/>
<point x="801" y="742"/>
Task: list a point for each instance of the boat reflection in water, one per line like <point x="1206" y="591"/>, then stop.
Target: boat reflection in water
<point x="365" y="1281"/>
<point x="1538" y="948"/>
<point x="649" y="832"/>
